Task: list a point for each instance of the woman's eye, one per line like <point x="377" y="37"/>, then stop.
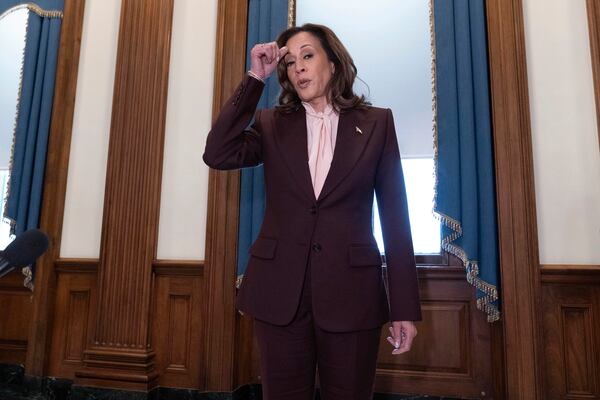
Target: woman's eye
<point x="289" y="63"/>
<point x="307" y="56"/>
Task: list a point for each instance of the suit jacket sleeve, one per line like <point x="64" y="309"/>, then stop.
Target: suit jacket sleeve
<point x="230" y="143"/>
<point x="393" y="210"/>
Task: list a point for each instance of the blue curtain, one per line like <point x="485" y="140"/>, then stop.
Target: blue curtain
<point x="266" y="20"/>
<point x="465" y="189"/>
<point x="33" y="114"/>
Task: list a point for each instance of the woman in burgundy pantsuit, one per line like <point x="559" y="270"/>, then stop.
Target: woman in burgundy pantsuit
<point x="314" y="282"/>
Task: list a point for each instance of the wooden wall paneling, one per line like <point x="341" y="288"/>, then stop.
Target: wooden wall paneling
<point x="247" y="367"/>
<point x="571" y="322"/>
<point x="120" y="355"/>
<point x="76" y="298"/>
<point x="571" y="274"/>
<point x="593" y="12"/>
<point x="178" y="320"/>
<point x="16" y="305"/>
<point x="55" y="184"/>
<point x="497" y="359"/>
<point x="451" y="355"/>
<point x="517" y="226"/>
<point x="571" y="326"/>
<point x="223" y="210"/>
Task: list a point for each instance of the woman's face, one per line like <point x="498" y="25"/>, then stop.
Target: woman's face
<point x="308" y="69"/>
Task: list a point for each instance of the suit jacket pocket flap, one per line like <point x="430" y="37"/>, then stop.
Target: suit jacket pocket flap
<point x="264" y="248"/>
<point x="363" y="256"/>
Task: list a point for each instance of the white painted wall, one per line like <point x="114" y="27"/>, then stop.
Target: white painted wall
<point x="565" y="138"/>
<point x="84" y="201"/>
<point x="185" y="177"/>
<point x="182" y="227"/>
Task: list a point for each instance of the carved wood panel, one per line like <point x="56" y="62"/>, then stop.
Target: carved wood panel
<point x="571" y="326"/>
<point x="74" y="307"/>
<point x="178" y="324"/>
<point x="15" y="305"/>
<point x="451" y="355"/>
<point x="442" y="344"/>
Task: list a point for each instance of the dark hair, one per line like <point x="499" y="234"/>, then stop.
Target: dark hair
<point x="340" y="85"/>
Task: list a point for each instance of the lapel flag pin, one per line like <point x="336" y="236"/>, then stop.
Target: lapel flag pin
<point x="358" y="131"/>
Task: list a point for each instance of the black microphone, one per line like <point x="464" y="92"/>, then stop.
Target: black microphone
<point x="23" y="251"/>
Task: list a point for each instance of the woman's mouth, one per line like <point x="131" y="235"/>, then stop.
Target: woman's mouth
<point x="303" y="83"/>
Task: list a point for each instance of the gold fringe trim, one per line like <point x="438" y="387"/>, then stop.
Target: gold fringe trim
<point x="291" y="13"/>
<point x="28" y="282"/>
<point x="238" y="283"/>
<point x="44" y="13"/>
<point x="434" y="113"/>
<point x="35" y="9"/>
<point x="490" y="292"/>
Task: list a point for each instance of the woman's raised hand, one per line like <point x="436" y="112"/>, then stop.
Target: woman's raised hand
<point x="264" y="58"/>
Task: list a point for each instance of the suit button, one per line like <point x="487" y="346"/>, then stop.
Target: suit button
<point x="312" y="210"/>
<point x="316" y="247"/>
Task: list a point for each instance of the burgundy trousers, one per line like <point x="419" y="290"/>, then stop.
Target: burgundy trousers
<point x="291" y="354"/>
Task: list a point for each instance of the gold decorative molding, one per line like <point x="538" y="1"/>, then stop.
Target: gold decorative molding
<point x="35" y="9"/>
<point x="291" y="13"/>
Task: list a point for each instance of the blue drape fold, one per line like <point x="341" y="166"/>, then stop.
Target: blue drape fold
<point x="34" y="111"/>
<point x="465" y="187"/>
<point x="266" y="19"/>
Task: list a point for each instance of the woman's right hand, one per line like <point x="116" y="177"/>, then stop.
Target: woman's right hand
<point x="264" y="58"/>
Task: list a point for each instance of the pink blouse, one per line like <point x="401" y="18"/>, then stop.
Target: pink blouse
<point x="322" y="133"/>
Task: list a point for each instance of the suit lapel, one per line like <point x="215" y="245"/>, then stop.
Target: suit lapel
<point x="292" y="142"/>
<point x="352" y="136"/>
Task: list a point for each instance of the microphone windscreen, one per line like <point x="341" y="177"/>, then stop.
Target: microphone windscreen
<point x="26" y="248"/>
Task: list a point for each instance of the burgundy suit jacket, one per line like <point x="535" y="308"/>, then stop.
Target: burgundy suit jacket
<point x="334" y="232"/>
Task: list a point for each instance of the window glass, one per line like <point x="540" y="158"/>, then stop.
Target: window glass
<point x="391" y="46"/>
<point x="425" y="228"/>
<point x="12" y="42"/>
<point x="5" y="238"/>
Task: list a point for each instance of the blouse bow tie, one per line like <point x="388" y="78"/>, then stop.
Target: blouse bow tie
<point x="321" y="143"/>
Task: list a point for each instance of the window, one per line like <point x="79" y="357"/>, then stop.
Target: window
<point x="391" y="48"/>
<point x="425" y="228"/>
<point x="12" y="43"/>
<point x="5" y="237"/>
